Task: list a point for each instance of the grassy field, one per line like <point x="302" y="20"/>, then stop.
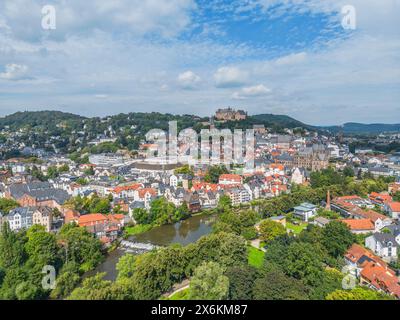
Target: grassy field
<point x="181" y="295"/>
<point x="296" y="229"/>
<point x="255" y="257"/>
<point x="139" y="228"/>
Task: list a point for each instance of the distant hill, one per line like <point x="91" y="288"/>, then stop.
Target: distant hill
<point x="280" y="120"/>
<point x="353" y="127"/>
<point x="37" y="119"/>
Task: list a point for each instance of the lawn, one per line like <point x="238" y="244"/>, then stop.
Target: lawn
<point x="296" y="229"/>
<point x="180" y="295"/>
<point x="139" y="228"/>
<point x="255" y="257"/>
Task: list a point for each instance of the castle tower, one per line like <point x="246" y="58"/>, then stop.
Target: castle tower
<point x="328" y="201"/>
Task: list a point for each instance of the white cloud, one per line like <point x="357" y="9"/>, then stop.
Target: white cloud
<point x="14" y="71"/>
<point x="188" y="80"/>
<point x="291" y="59"/>
<point x="253" y="91"/>
<point x="163" y="17"/>
<point x="101" y="96"/>
<point x="226" y="77"/>
<point x="105" y="43"/>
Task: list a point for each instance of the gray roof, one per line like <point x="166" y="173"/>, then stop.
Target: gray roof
<point x="22" y="211"/>
<point x="39" y="190"/>
<point x="137" y="205"/>
<point x="385" y="238"/>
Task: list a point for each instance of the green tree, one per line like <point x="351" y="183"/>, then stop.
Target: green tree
<point x="275" y="285"/>
<point x="95" y="288"/>
<point x="337" y="238"/>
<point x="269" y="230"/>
<point x="80" y="247"/>
<point x="358" y="293"/>
<point x="141" y="216"/>
<point x="213" y="173"/>
<point x="12" y="253"/>
<point x="304" y="262"/>
<point x="224" y="203"/>
<point x="348" y="171"/>
<point x="209" y="283"/>
<point x="6" y="205"/>
<point x="41" y="247"/>
<point x="241" y="281"/>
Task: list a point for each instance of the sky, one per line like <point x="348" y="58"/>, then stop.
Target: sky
<point x="292" y="57"/>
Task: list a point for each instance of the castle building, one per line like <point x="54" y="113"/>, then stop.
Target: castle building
<point x="229" y="114"/>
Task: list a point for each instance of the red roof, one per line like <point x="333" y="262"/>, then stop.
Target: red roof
<point x="355" y="252"/>
<point x="382" y="278"/>
<point x="394" y="206"/>
<point x="359" y="224"/>
<point x="142" y="192"/>
<point x="92" y="218"/>
<point x="134" y="186"/>
<point x="380" y="198"/>
<point x="230" y="177"/>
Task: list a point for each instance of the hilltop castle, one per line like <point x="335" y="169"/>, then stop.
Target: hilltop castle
<point x="230" y="114"/>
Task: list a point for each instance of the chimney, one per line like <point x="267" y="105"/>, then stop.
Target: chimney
<point x="328" y="201"/>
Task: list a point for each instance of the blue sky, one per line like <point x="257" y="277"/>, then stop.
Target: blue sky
<point x="193" y="56"/>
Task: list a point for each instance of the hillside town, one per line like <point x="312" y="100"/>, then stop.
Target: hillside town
<point x="113" y="194"/>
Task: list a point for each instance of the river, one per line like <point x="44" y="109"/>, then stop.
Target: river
<point x="183" y="232"/>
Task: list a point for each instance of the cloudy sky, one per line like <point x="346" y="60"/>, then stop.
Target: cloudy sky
<point x="192" y="56"/>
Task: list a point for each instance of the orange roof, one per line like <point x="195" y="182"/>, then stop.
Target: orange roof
<point x="381" y="277"/>
<point x="355" y="252"/>
<point x="133" y="186"/>
<point x="372" y="215"/>
<point x="359" y="224"/>
<point x="71" y="215"/>
<point x="91" y="218"/>
<point x="205" y="185"/>
<point x="142" y="192"/>
<point x="277" y="166"/>
<point x="378" y="197"/>
<point x="229" y="176"/>
<point x="345" y="198"/>
<point x="95" y="218"/>
<point x="394" y="206"/>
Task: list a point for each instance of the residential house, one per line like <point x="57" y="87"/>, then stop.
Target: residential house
<point x="321" y="221"/>
<point x="393" y="209"/>
<point x="37" y="194"/>
<point x="227" y="179"/>
<point x="238" y="195"/>
<point x="360" y="226"/>
<point x="383" y="244"/>
<point x="43" y="216"/>
<point x="105" y="227"/>
<point x="20" y="218"/>
<point x="305" y="211"/>
<point x="372" y="271"/>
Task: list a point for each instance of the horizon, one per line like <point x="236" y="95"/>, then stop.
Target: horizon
<point x="312" y="61"/>
<point x="193" y="114"/>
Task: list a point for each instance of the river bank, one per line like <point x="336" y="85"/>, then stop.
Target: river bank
<point x="182" y="232"/>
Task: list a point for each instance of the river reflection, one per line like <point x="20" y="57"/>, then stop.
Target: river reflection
<point x="183" y="232"/>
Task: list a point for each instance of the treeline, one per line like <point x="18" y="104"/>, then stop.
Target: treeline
<point x="336" y="182"/>
<point x="161" y="212"/>
<point x="24" y="254"/>
<point x="149" y="275"/>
